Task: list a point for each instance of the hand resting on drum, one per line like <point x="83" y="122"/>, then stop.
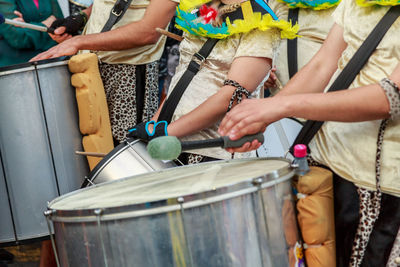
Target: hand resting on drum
<point x="170" y="147"/>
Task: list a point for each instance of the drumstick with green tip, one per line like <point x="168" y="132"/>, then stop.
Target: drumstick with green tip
<point x="170" y="147"/>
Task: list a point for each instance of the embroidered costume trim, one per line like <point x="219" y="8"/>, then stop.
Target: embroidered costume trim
<point x="313" y="4"/>
<point x="367" y="3"/>
<point x="189" y="20"/>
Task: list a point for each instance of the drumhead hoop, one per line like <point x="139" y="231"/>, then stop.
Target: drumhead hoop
<point x="169" y="188"/>
<point x="109" y="157"/>
<point x="31" y="65"/>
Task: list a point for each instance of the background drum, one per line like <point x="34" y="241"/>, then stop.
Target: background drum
<point x="224" y="213"/>
<point x="279" y="136"/>
<point x="38" y="136"/>
<point x="127" y="159"/>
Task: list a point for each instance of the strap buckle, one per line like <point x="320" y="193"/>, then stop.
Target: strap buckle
<point x="199" y="59"/>
<point x="118" y="8"/>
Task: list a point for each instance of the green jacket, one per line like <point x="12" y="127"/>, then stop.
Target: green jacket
<point x="18" y="45"/>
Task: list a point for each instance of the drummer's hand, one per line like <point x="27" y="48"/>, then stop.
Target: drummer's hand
<point x="251" y="116"/>
<point x="66" y="48"/>
<point x="60" y="35"/>
<point x="148" y="130"/>
<point x="246" y="147"/>
<point x="19" y="18"/>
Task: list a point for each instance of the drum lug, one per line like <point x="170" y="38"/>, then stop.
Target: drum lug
<point x="98" y="212"/>
<point x="180" y="200"/>
<point x="257" y="181"/>
<point x="48" y="213"/>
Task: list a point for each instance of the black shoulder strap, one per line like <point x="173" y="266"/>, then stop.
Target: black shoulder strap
<point x="170" y="104"/>
<point x="116" y="14"/>
<point x="194" y="66"/>
<point x="346" y="77"/>
<point x="292" y="44"/>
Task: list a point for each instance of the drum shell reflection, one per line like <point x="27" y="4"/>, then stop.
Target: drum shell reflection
<point x="39" y="135"/>
<point x="237" y="225"/>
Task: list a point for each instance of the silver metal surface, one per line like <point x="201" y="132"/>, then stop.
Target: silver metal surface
<point x="238" y="225"/>
<point x="39" y="134"/>
<point x="128" y="159"/>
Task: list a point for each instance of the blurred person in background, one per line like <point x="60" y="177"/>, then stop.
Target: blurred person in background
<point x="18" y="45"/>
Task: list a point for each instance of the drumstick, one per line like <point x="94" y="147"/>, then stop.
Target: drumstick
<point x="170" y="147"/>
<point x="25" y="25"/>
<point x="169" y="34"/>
<point x="91" y="154"/>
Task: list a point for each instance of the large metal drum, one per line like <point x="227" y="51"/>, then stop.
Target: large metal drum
<point x="224" y="213"/>
<point x="38" y="135"/>
<point x="127" y="159"/>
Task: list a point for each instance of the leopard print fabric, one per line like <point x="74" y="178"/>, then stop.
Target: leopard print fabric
<point x="120" y="85"/>
<point x="370" y="205"/>
<point x="194" y="159"/>
<point x="395" y="253"/>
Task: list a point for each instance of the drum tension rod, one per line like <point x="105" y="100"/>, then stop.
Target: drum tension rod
<point x="47" y="214"/>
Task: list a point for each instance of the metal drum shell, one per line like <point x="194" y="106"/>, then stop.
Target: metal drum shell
<point x="237" y="225"/>
<point x="127" y="159"/>
<point x="39" y="135"/>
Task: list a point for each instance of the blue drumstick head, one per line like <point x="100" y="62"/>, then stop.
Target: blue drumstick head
<point x="2" y="19"/>
<point x="164" y="148"/>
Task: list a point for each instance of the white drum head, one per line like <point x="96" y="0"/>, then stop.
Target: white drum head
<point x="171" y="183"/>
<point x="278" y="137"/>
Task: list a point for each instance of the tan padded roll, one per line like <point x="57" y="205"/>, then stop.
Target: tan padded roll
<point x="316" y="217"/>
<point x="94" y="121"/>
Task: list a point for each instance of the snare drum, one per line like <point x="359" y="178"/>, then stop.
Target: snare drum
<point x="224" y="213"/>
<point x="39" y="135"/>
<point x="278" y="138"/>
<point x="127" y="159"/>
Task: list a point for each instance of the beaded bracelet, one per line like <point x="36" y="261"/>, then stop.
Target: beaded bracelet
<point x="237" y="94"/>
<point x="393" y="94"/>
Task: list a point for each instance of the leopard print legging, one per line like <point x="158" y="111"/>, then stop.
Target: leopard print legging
<point x="370" y="205"/>
<point x="120" y="85"/>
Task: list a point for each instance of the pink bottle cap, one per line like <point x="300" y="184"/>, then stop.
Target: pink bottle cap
<point x="300" y="151"/>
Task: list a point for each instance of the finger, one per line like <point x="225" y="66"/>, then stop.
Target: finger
<point x="243" y="148"/>
<point x="245" y="128"/>
<point x="236" y="115"/>
<point x="60" y="30"/>
<point x="41" y="56"/>
<point x="17" y="13"/>
<point x="246" y="147"/>
<point x="228" y="122"/>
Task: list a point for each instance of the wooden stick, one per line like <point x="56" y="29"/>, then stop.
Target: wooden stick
<point x="91" y="154"/>
<point x="169" y="34"/>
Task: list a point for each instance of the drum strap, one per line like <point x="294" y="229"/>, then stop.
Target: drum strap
<point x="116" y="14"/>
<point x="351" y="70"/>
<point x="194" y="66"/>
<point x="292" y="44"/>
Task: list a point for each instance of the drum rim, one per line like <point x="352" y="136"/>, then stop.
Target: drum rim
<point x="109" y="157"/>
<point x="172" y="204"/>
<point x="21" y="67"/>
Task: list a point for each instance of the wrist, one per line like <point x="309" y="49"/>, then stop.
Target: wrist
<point x="78" y="42"/>
<point x="287" y="105"/>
